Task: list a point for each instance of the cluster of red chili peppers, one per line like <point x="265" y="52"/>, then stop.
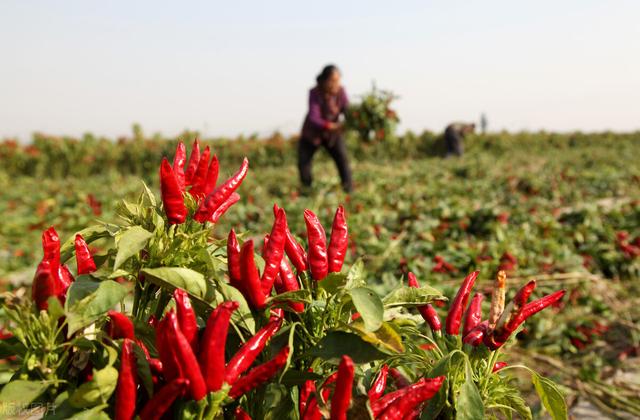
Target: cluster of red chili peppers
<point x="189" y="365"/>
<point x="53" y="278"/>
<point x="501" y="323"/>
<point x="320" y="259"/>
<point x="404" y="403"/>
<point x="442" y="266"/>
<point x="201" y="176"/>
<point x="630" y="248"/>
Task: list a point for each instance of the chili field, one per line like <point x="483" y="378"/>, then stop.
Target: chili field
<point x="567" y="217"/>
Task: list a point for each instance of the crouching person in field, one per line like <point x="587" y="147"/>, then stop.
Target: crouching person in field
<point x="453" y="136"/>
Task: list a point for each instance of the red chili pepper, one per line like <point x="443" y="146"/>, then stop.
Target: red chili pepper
<point x="293" y="249"/>
<point x="404" y="405"/>
<point x="162" y="400"/>
<point x="127" y="382"/>
<point x="342" y="394"/>
<point x="189" y="367"/>
<point x="507" y="322"/>
<point x="381" y="404"/>
<point x="241" y="414"/>
<point x="325" y="388"/>
<point x="200" y="176"/>
<point x="44" y="285"/>
<point x="119" y="326"/>
<point x="217" y="214"/>
<point x="172" y="198"/>
<point x="51" y="245"/>
<point x="499" y="365"/>
<point x="459" y="304"/>
<point x="194" y="159"/>
<point x="274" y="252"/>
<point x="186" y="317"/>
<point x="473" y="316"/>
<point x="171" y="367"/>
<point x="536" y="306"/>
<point x="178" y="165"/>
<point x="212" y="175"/>
<point x="221" y="194"/>
<point x="400" y="380"/>
<point x="496" y="340"/>
<point x="312" y="411"/>
<point x="287" y="282"/>
<point x="475" y="336"/>
<point x="379" y="384"/>
<point x="338" y="242"/>
<point x="213" y="343"/>
<point x="84" y="259"/>
<point x="248" y="353"/>
<point x="259" y="374"/>
<point x="251" y="287"/>
<point x="51" y="278"/>
<point x="307" y="391"/>
<point x="317" y="246"/>
<point x="233" y="259"/>
<point x="428" y="312"/>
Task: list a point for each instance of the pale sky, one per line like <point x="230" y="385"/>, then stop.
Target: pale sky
<point x="232" y="67"/>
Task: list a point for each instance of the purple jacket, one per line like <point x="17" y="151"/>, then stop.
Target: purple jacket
<point x="323" y="109"/>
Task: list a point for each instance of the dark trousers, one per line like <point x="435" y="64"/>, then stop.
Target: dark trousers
<point x="453" y="142"/>
<point x="337" y="150"/>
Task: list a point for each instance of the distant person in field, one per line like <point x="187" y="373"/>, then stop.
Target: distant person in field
<point x="322" y="127"/>
<point x="453" y="136"/>
<point x="484" y="123"/>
